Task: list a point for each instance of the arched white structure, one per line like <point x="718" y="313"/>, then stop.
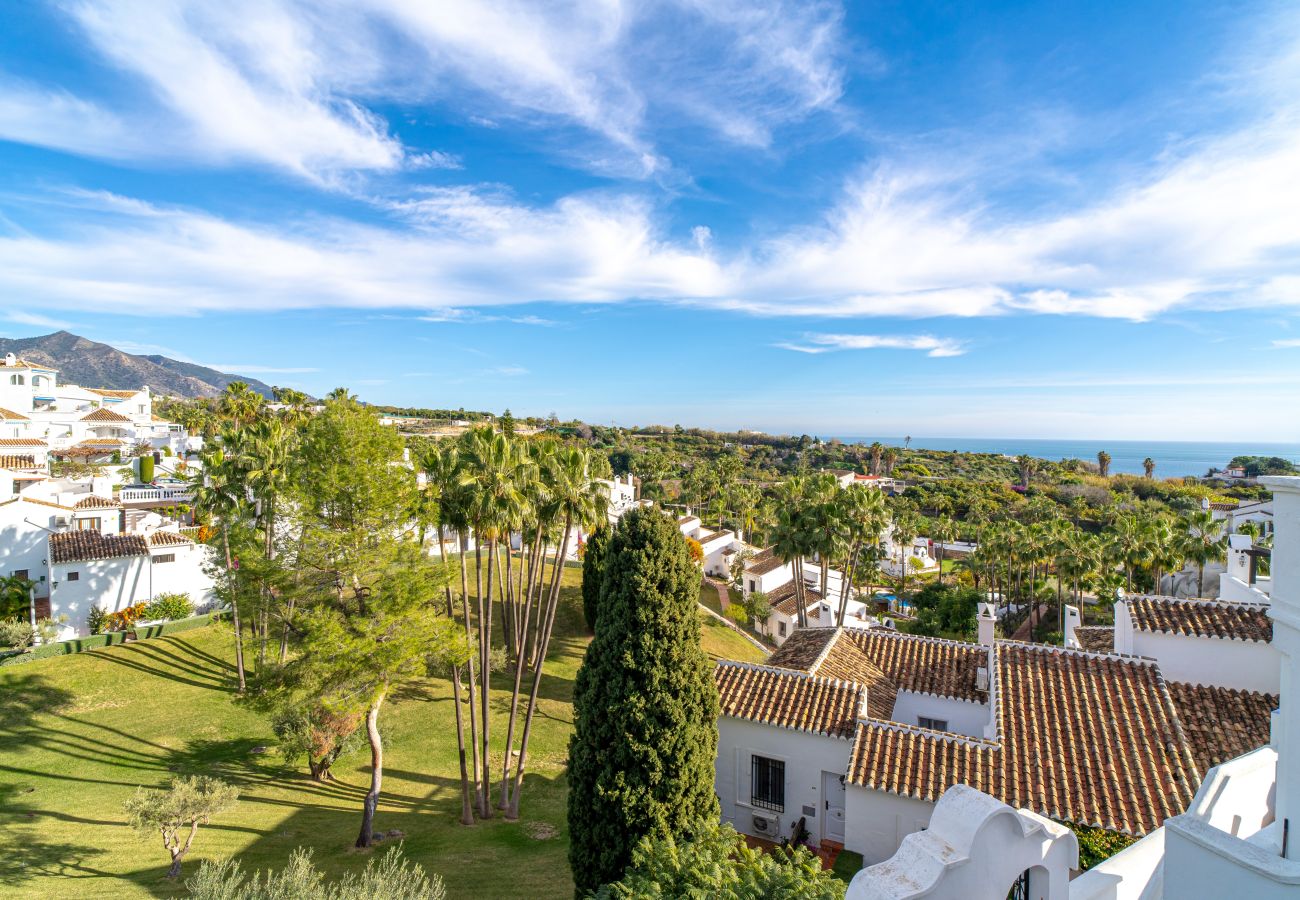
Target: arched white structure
<point x="975" y="849"/>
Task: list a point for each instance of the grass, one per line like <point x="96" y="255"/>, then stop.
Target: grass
<point x="79" y="734"/>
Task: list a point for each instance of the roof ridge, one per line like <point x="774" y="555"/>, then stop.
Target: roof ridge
<point x="1076" y="651"/>
<point x="825" y="651"/>
<point x="778" y="670"/>
<point x="951" y="737"/>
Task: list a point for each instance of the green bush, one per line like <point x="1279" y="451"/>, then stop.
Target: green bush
<point x="187" y="624"/>
<point x="738" y="614"/>
<point x="63" y="648"/>
<point x="389" y="876"/>
<point x="146" y="469"/>
<point x="95" y="621"/>
<point x="16" y="634"/>
<point x="169" y="606"/>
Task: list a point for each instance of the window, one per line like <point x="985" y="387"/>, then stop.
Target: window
<point x="780" y="628"/>
<point x="17" y="379"/>
<point x="89" y="524"/>
<point x="752" y="586"/>
<point x="936" y="724"/>
<point x="20" y="573"/>
<point x="74" y="576"/>
<point x="165" y="557"/>
<point x="767" y="786"/>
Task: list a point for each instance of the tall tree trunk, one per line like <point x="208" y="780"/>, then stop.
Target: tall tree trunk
<point x="365" y="838"/>
<point x="485" y="670"/>
<point x="551" y="605"/>
<point x="469" y="667"/>
<point x="178" y="852"/>
<point x="234" y="609"/>
<point x="467" y="807"/>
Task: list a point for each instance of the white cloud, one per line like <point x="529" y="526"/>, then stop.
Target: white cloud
<point x="1286" y="344"/>
<point x="506" y="371"/>
<point x="827" y="343"/>
<point x="294" y="84"/>
<point x="26" y="318"/>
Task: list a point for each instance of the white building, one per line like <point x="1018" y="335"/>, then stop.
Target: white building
<point x="860" y="731"/>
<point x="1232" y="840"/>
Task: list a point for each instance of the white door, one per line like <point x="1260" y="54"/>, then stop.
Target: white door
<point x="832" y="807"/>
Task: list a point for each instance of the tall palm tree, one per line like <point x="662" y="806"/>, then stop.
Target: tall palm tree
<point x="219" y="494"/>
<point x="266" y="454"/>
<point x="579" y="502"/>
<point x="790" y="540"/>
<point x="1027" y="467"/>
<point x="1149" y="467"/>
<point x="876" y="450"/>
<point x="1103" y="463"/>
<point x="906" y="528"/>
<point x="862" y="510"/>
<point x="825" y="526"/>
<point x="943" y="531"/>
<point x="890" y="459"/>
<point x="240" y="404"/>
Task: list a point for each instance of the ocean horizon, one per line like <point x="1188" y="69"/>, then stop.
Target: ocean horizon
<point x="1173" y="459"/>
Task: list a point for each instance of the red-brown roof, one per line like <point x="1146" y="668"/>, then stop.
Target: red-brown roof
<point x="167" y="539"/>
<point x="9" y="415"/>
<point x="105" y="392"/>
<point x="1201" y="618"/>
<point x="22" y="442"/>
<point x="763" y="562"/>
<point x="13" y="461"/>
<point x="77" y="546"/>
<point x="104" y="415"/>
<point x="1082" y="738"/>
<point x="1096" y="638"/>
<point x="788" y="699"/>
<point x="785" y="601"/>
<point x="94" y="501"/>
<point x="1222" y="723"/>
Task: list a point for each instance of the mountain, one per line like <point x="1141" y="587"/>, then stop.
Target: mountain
<point x="91" y="364"/>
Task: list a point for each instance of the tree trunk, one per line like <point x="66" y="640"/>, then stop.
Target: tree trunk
<point x="512" y="812"/>
<point x="485" y="671"/>
<point x="467" y="806"/>
<point x="520" y="662"/>
<point x="365" y="838"/>
<point x="234" y="609"/>
<point x="178" y="853"/>
<point x="469" y="667"/>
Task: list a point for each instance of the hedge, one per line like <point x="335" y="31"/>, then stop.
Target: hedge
<point x="95" y="641"/>
<point x="64" y="648"/>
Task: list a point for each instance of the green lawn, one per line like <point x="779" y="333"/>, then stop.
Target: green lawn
<point x="720" y="642"/>
<point x="78" y="734"/>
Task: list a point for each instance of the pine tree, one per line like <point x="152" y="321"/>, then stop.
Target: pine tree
<point x="593" y="559"/>
<point x="642" y="754"/>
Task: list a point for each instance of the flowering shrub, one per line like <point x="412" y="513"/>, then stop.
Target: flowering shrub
<point x="17" y="634"/>
<point x="124" y="619"/>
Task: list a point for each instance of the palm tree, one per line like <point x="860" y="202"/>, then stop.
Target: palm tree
<point x="219" y="494"/>
<point x="443" y="467"/>
<point x="266" y="451"/>
<point x="943" y="531"/>
<point x="905" y="531"/>
<point x="1103" y="463"/>
<point x="1028" y="466"/>
<point x="240" y="404"/>
<point x="579" y="502"/>
<point x="790" y="540"/>
<point x="863" y="513"/>
<point x="1149" y="467"/>
<point x="826" y="528"/>
<point x="1130" y="545"/>
<point x="890" y="459"/>
<point x="1204" y="541"/>
<point x="876" y="450"/>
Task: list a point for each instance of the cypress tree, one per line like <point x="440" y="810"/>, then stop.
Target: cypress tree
<point x="593" y="559"/>
<point x="642" y="753"/>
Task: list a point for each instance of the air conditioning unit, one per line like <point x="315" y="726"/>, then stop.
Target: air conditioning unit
<point x="767" y="826"/>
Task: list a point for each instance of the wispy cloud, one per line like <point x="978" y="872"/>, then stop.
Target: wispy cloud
<point x="241" y="369"/>
<point x="1286" y="343"/>
<point x="828" y="343"/>
<point x="26" y="318"/>
<point x="506" y="371"/>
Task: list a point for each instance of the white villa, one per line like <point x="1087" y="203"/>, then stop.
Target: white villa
<point x="951" y="766"/>
<point x="1232" y="838"/>
<point x="40" y="417"/>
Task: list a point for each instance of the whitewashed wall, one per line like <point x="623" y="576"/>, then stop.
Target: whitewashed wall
<point x="805" y="755"/>
<point x="876" y="822"/>
<point x="962" y="716"/>
<point x="1246" y="665"/>
<point x="185" y="575"/>
<point x="112" y="584"/>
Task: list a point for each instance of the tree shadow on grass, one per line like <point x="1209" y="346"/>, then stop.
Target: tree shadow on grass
<point x="142" y="658"/>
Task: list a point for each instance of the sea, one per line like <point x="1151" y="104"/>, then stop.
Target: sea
<point x="1173" y="459"/>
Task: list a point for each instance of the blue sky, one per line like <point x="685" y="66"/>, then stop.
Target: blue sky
<point x="1051" y="220"/>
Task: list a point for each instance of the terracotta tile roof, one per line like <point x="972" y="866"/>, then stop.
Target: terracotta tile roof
<point x="1096" y="638"/>
<point x="682" y="520"/>
<point x="94" y="501"/>
<point x="76" y="546"/>
<point x="105" y="392"/>
<point x="788" y="699"/>
<point x="843" y="659"/>
<point x="1083" y="738"/>
<point x="20" y="363"/>
<point x="9" y="415"/>
<point x="101" y="442"/>
<point x="22" y="442"/>
<point x="44" y="502"/>
<point x="786" y="602"/>
<point x="14" y="461"/>
<point x="167" y="539"/>
<point x="1222" y="723"/>
<point x="763" y="562"/>
<point x="802" y="649"/>
<point x="104" y="415"/>
<point x="925" y="665"/>
<point x="716" y="536"/>
<point x="1201" y="618"/>
<point x="1225" y="505"/>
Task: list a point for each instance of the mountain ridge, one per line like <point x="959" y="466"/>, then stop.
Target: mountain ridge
<point x="94" y="364"/>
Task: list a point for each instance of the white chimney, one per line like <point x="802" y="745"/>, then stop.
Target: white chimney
<point x="1238" y="558"/>
<point x="11" y="360"/>
<point x="988" y="621"/>
<point x="1071" y="623"/>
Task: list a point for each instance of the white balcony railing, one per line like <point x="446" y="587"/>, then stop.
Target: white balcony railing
<point x="177" y="493"/>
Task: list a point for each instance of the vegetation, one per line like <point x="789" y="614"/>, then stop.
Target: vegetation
<point x="716" y="862"/>
<point x="645" y="737"/>
<point x="177" y="812"/>
<point x="1256" y="466"/>
<point x="169" y="606"/>
<point x="593" y="557"/>
<point x="389" y="876"/>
